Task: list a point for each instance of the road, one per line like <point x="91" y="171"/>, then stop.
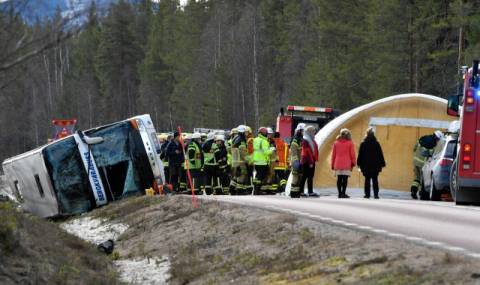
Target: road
<point x="437" y="224"/>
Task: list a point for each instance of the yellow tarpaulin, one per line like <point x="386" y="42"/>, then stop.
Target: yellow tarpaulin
<point x="399" y="121"/>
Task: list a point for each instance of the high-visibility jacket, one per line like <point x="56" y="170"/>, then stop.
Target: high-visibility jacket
<point x="194" y="156"/>
<point x="261" y="150"/>
<point x="209" y="149"/>
<point x="295" y="149"/>
<point x="282" y="154"/>
<point x="239" y="151"/>
<point x="228" y="146"/>
<point x="420" y="154"/>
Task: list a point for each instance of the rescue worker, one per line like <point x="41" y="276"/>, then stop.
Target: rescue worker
<point x="271" y="163"/>
<point x="210" y="163"/>
<point x="249" y="157"/>
<point x="175" y="160"/>
<point x="183" y="171"/>
<point x="164" y="157"/>
<point x="223" y="181"/>
<point x="228" y="145"/>
<point x="239" y="182"/>
<point x="261" y="157"/>
<point x="422" y="150"/>
<point x="295" y="161"/>
<point x="281" y="164"/>
<point x="195" y="162"/>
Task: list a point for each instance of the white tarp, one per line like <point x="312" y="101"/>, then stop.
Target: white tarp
<point x="409" y="122"/>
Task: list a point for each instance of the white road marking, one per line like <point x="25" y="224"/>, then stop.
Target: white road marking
<point x="414" y="239"/>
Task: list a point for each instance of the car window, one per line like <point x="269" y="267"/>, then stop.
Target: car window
<point x="451" y="150"/>
<point x="438" y="149"/>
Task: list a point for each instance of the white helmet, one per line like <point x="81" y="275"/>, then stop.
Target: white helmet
<point x="220" y="138"/>
<point x="438" y="134"/>
<point x="196" y="136"/>
<point x="300" y="126"/>
<point x="210" y="136"/>
<point x="269" y="131"/>
<point x="241" y="129"/>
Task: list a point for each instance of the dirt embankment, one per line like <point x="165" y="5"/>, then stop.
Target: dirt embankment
<point x="223" y="243"/>
<point x="36" y="251"/>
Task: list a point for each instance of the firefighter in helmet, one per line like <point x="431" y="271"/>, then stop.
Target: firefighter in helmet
<point x="195" y="161"/>
<point x="295" y="161"/>
<point x="240" y="181"/>
<point x="422" y="150"/>
<point x="261" y="158"/>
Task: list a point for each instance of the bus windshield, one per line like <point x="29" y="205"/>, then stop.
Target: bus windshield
<point x="121" y="160"/>
<point x="68" y="176"/>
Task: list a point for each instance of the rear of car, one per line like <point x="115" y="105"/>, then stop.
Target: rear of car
<point x="436" y="171"/>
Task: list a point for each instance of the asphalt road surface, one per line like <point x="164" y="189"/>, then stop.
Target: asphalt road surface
<point x="436" y="224"/>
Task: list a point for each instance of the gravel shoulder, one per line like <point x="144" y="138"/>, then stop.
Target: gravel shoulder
<point x="219" y="243"/>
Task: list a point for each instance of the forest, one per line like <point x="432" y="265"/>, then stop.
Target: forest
<point x="220" y="63"/>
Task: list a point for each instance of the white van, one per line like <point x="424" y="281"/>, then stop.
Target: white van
<point x="87" y="169"/>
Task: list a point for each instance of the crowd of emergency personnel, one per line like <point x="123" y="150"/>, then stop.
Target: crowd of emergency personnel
<point x="238" y="163"/>
<point x="235" y="162"/>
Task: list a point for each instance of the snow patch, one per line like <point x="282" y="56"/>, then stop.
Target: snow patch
<point x="137" y="271"/>
<point x="93" y="230"/>
<point x="144" y="271"/>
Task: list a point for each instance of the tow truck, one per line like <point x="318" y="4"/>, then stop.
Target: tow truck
<point x="314" y="116"/>
<point x="465" y="173"/>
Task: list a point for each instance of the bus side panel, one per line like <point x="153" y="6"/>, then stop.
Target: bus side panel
<point x="30" y="177"/>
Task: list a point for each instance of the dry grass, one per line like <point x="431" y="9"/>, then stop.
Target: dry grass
<point x="35" y="251"/>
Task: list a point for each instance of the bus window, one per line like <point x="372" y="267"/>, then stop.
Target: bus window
<point x="18" y="194"/>
<point x="39" y="186"/>
<point x="69" y="177"/>
<point x="122" y="160"/>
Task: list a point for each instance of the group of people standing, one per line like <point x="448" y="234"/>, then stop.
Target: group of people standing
<point x="370" y="161"/>
<point x="233" y="163"/>
<point x="239" y="163"/>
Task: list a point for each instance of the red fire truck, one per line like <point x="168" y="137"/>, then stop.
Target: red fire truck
<point x="465" y="174"/>
<point x="315" y="116"/>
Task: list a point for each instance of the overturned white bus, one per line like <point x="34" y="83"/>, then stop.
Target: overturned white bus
<point x="87" y="169"/>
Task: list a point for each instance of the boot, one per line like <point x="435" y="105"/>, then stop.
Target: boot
<point x="344" y="194"/>
<point x="414" y="191"/>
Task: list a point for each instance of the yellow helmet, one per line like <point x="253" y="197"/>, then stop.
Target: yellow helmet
<point x="248" y="129"/>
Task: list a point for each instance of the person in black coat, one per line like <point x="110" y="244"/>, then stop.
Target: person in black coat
<point x="175" y="156"/>
<point x="371" y="161"/>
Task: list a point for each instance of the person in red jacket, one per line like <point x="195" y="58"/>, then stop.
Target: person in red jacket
<point x="308" y="160"/>
<point x="343" y="160"/>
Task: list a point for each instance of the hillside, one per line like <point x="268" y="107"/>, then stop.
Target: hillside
<point x="220" y="243"/>
<point x="36" y="251"/>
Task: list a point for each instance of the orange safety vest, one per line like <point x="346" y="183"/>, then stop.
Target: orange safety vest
<point x="282" y="154"/>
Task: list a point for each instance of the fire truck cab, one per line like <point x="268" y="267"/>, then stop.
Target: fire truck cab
<point x="314" y="116"/>
<point x="465" y="173"/>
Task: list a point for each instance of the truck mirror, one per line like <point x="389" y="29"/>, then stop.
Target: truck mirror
<point x="453" y="103"/>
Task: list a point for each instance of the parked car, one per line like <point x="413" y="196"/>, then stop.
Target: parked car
<point x="436" y="171"/>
